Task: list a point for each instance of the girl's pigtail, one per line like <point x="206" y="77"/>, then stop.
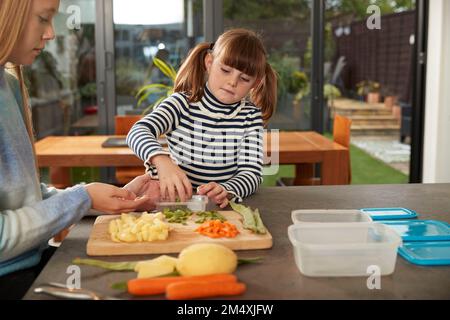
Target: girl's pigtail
<point x="191" y="76"/>
<point x="265" y="94"/>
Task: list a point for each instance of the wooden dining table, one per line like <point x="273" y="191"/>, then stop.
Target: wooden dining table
<point x="300" y="148"/>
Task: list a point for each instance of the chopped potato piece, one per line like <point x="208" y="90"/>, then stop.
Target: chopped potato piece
<point x="148" y="227"/>
<point x="156" y="267"/>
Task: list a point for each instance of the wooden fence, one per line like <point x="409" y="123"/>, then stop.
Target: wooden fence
<point x="383" y="55"/>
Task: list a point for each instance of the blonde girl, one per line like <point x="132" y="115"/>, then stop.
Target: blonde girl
<point x="31" y="213"/>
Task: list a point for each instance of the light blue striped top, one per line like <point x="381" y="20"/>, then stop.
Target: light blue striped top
<point x="30" y="213"/>
<point x="209" y="140"/>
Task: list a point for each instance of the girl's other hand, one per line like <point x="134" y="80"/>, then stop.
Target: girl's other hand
<point x="172" y="179"/>
<point x="111" y="199"/>
<point x="215" y="192"/>
<point x="144" y="185"/>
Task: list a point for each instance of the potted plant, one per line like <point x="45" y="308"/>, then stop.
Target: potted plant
<point x="390" y="99"/>
<point x="298" y="85"/>
<point x="152" y="94"/>
<point x="330" y="92"/>
<point x="370" y="90"/>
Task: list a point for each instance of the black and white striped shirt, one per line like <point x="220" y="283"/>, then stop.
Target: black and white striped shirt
<point x="209" y="140"/>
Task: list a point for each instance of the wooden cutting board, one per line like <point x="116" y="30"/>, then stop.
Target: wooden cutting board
<point x="180" y="236"/>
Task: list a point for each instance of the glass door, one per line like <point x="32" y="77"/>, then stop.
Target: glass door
<point x="369" y="78"/>
<point x="143" y="31"/>
<point x="62" y="81"/>
<point x="285" y="27"/>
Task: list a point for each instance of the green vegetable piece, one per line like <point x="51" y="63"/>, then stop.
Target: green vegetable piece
<point x="115" y="266"/>
<point x="177" y="215"/>
<point x="123" y="286"/>
<point x="247" y="214"/>
<point x="242" y="261"/>
<point x="259" y="224"/>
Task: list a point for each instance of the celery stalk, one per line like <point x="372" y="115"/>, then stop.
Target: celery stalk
<point x="115" y="266"/>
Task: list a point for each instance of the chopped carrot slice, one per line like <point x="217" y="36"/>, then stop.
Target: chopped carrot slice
<point x="218" y="229"/>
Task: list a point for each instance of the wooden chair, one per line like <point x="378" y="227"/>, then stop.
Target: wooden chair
<point x="341" y="135"/>
<point x="123" y="124"/>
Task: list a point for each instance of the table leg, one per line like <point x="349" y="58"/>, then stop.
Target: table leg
<point x="60" y="177"/>
<point x="304" y="174"/>
<point x="335" y="167"/>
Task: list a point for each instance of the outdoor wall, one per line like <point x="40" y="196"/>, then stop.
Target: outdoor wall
<point x="384" y="55"/>
<point x="436" y="157"/>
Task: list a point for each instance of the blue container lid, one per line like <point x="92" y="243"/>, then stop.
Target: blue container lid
<point x="426" y="253"/>
<point x="420" y="230"/>
<point x="389" y="213"/>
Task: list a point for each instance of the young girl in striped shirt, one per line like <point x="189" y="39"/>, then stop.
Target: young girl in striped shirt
<point x="224" y="93"/>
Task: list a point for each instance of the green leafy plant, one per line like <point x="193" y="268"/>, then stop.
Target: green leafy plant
<point x="367" y="86"/>
<point x="299" y="85"/>
<point x="89" y="90"/>
<point x="331" y="92"/>
<point x="283" y="65"/>
<point x="161" y="89"/>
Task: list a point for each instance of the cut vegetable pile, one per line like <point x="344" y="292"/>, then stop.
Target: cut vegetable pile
<point x="251" y="218"/>
<point x="218" y="229"/>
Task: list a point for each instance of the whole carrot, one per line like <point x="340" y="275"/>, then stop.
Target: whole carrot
<point x="203" y="289"/>
<point x="150" y="286"/>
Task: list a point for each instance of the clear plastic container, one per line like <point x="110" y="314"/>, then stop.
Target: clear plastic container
<point x="196" y="203"/>
<point x="329" y="216"/>
<point x="345" y="249"/>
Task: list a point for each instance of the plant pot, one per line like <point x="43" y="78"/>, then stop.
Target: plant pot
<point x="390" y="101"/>
<point x="397" y="112"/>
<point x="297" y="113"/>
<point x="373" y="97"/>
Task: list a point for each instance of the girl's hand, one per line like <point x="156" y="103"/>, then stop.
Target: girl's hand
<point x="215" y="192"/>
<point x="172" y="180"/>
<point x="144" y="185"/>
<point x="111" y="199"/>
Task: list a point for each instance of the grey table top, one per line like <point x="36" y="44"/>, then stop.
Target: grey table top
<point x="277" y="277"/>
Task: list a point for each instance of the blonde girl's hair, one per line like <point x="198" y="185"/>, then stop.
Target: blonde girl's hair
<point x="13" y="17"/>
<point x="241" y="49"/>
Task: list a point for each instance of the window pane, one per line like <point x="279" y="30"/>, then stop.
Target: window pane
<point x="145" y="30"/>
<point x="285" y="29"/>
<point x="61" y="81"/>
<point x="369" y="77"/>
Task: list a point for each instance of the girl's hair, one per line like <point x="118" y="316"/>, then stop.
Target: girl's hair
<point x="13" y="17"/>
<point x="240" y="49"/>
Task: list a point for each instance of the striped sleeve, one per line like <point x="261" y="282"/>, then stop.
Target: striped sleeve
<point x="143" y="136"/>
<point x="250" y="161"/>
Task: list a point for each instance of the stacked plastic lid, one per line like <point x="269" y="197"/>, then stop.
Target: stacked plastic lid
<point x="425" y="242"/>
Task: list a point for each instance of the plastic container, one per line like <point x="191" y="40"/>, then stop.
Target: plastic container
<point x="329" y="216"/>
<point x="426" y="253"/>
<point x="390" y="213"/>
<point x="345" y="249"/>
<point x="419" y="230"/>
<point x="196" y="203"/>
